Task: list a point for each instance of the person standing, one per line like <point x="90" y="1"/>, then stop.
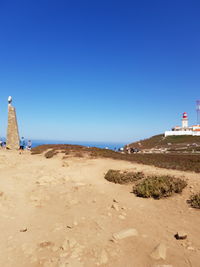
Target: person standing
<point x="29" y="145"/>
<point x="22" y="143"/>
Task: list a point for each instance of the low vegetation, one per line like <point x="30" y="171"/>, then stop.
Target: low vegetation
<point x="158" y="141"/>
<point x="194" y="200"/>
<point x="49" y="154"/>
<point x="159" y="187"/>
<point x="124" y="177"/>
<point x="168" y="161"/>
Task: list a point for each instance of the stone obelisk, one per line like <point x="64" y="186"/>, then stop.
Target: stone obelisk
<point x="12" y="141"/>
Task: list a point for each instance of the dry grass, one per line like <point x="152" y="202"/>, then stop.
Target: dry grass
<point x="159" y="187"/>
<point x="49" y="154"/>
<point x="194" y="200"/>
<point x="124" y="177"/>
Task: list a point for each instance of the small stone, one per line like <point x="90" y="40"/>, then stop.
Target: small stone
<point x="159" y="252"/>
<point x="180" y="235"/>
<point x="109" y="214"/>
<point x="121" y="217"/>
<point x="125" y="233"/>
<point x="46" y="244"/>
<point x="183" y="244"/>
<point x="75" y="223"/>
<point x="115" y="206"/>
<point x="114" y="200"/>
<point x="23" y="230"/>
<point x="190" y="248"/>
<point x="72" y="242"/>
<point x="65" y="245"/>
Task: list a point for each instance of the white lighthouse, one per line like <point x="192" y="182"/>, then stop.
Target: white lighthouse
<point x="193" y="130"/>
<point x="185" y="121"/>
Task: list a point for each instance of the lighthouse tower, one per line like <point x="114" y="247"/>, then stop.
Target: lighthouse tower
<point x="185" y="120"/>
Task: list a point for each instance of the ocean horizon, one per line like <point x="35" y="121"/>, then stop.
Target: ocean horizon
<point x="109" y="145"/>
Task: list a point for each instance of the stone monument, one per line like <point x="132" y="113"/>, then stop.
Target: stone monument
<point x="12" y="141"/>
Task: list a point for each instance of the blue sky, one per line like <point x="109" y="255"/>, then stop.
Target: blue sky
<point x="99" y="70"/>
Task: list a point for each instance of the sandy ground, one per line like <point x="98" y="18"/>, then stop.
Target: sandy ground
<point x="56" y="212"/>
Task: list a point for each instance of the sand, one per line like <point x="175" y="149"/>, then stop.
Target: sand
<point x="56" y="212"/>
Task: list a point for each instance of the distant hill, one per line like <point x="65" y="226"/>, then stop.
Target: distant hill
<point x="182" y="142"/>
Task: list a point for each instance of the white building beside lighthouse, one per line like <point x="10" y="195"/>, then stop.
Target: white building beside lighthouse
<point x="185" y="129"/>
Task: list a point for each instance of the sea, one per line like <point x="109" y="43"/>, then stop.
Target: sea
<point x="108" y="145"/>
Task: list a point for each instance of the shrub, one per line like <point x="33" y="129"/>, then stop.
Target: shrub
<point x="78" y="155"/>
<point x="49" y="154"/>
<point x="159" y="186"/>
<point x="125" y="177"/>
<point x="195" y="200"/>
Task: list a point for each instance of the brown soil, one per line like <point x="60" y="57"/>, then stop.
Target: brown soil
<point x="62" y="212"/>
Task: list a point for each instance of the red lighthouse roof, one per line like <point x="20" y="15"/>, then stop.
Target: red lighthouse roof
<point x="185" y="115"/>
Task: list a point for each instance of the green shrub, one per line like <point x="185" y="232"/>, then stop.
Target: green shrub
<point x="195" y="200"/>
<point x="125" y="177"/>
<point x="159" y="186"/>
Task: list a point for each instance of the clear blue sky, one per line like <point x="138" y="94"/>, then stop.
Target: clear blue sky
<point x="99" y="70"/>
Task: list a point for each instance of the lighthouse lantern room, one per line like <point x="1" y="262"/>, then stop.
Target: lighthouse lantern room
<point x="185" y="120"/>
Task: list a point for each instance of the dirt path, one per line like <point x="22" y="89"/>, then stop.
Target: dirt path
<point x="58" y="212"/>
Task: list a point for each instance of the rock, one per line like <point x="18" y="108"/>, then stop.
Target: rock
<point x="180" y="235"/>
<point x="121" y="217"/>
<point x="125" y="233"/>
<point x="114" y="200"/>
<point x="190" y="248"/>
<point x="159" y="252"/>
<point x="103" y="257"/>
<point x="46" y="244"/>
<point x="115" y="206"/>
<point x="65" y="245"/>
<point x="72" y="242"/>
<point x="23" y="230"/>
